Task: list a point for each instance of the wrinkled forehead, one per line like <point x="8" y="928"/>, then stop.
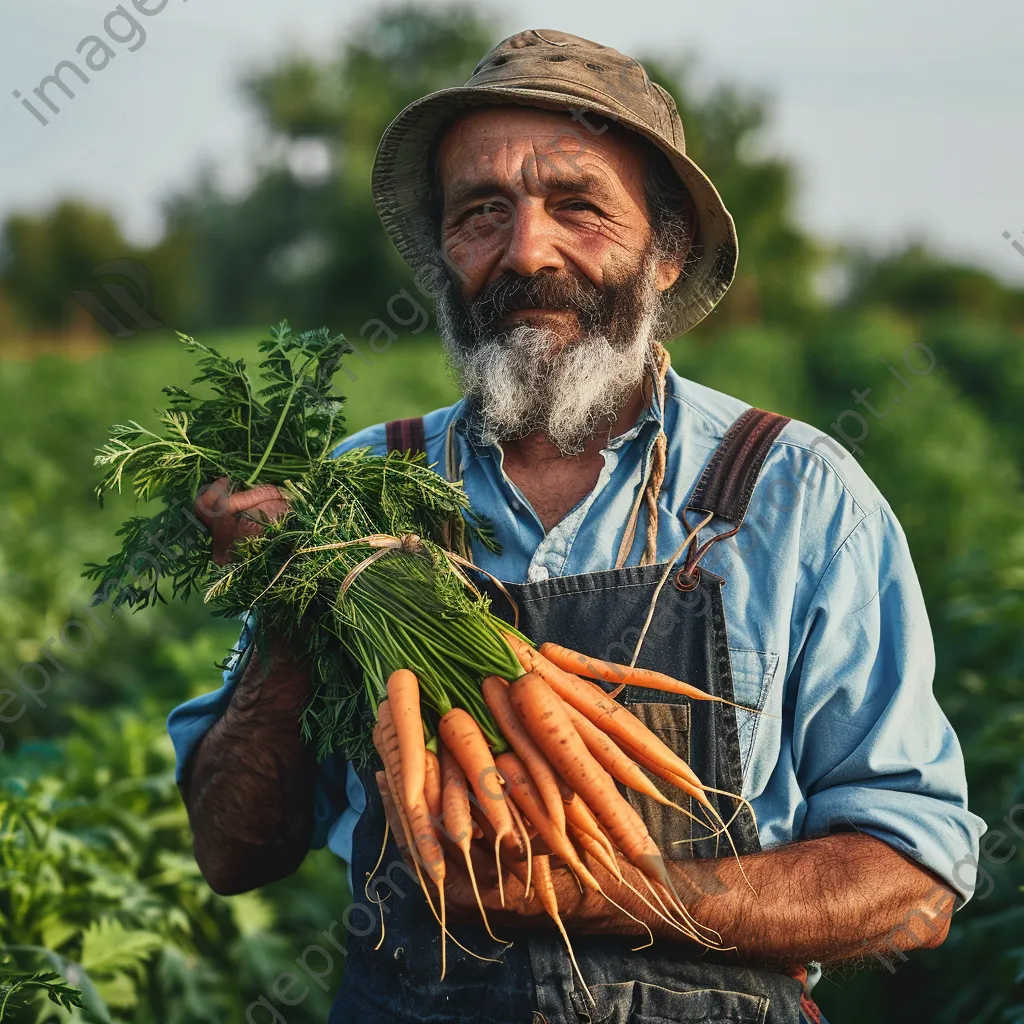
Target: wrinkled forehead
<point x="498" y="141"/>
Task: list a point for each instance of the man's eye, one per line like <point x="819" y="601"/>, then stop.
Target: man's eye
<point x="581" y="206"/>
<point x="492" y="211"/>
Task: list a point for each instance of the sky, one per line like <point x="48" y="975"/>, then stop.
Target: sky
<point x="903" y="117"/>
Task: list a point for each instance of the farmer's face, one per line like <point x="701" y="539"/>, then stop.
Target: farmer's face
<point x="527" y="192"/>
<point x="556" y="279"/>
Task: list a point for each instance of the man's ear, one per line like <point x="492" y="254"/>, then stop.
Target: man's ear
<point x="667" y="275"/>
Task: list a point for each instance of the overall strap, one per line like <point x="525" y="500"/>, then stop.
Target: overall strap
<point x="406" y="436"/>
<point x="409" y="437"/>
<point x="728" y="480"/>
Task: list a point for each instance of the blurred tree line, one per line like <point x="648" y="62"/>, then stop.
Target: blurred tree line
<point x="913" y="362"/>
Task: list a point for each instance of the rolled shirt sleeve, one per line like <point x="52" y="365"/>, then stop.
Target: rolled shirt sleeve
<point x="872" y="749"/>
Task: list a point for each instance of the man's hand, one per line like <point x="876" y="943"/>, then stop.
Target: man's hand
<point x="242" y="514"/>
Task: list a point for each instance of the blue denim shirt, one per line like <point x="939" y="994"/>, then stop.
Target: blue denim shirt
<point x="827" y="629"/>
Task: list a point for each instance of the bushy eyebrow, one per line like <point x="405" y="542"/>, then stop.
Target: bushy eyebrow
<point x="582" y="183"/>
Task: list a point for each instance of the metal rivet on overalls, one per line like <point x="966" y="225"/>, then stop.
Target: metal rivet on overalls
<point x="399" y="953"/>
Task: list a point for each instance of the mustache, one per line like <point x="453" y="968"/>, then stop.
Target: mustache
<point x="548" y="289"/>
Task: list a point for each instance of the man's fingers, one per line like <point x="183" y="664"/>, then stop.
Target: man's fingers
<point x="242" y="514"/>
<point x="242" y="501"/>
<point x="250" y="521"/>
<point x="215" y="500"/>
<point x="212" y="500"/>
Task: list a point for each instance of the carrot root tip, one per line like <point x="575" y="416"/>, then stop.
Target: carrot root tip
<point x="497" y="861"/>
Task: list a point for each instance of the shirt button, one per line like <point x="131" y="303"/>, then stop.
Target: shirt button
<point x="539" y="573"/>
<point x="516" y="507"/>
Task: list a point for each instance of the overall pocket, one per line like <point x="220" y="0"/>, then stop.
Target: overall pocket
<point x="752" y="676"/>
<point x="638" y="1002"/>
<point x="671" y="724"/>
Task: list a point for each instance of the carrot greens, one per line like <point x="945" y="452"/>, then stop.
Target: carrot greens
<point x="356" y="577"/>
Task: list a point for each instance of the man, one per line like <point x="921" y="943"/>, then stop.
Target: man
<point x="551" y="205"/>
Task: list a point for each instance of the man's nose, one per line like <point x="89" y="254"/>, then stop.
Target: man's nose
<point x="530" y="244"/>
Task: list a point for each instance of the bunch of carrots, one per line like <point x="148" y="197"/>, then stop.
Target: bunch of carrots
<point x="571" y="743"/>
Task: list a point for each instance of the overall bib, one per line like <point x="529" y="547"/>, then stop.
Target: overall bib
<point x="600" y="613"/>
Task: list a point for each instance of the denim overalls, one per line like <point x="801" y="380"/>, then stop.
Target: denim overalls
<point x="601" y="613"/>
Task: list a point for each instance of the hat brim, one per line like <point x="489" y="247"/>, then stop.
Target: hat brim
<point x="401" y="185"/>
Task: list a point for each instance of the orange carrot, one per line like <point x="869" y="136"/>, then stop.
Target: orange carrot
<point x="643" y="746"/>
<point x="663" y="771"/>
<point x="625" y="675"/>
<point x="455" y="800"/>
<point x="395" y="802"/>
<point x="632" y="735"/>
<point x="624" y="768"/>
<point x="614" y="719"/>
<point x="526" y="797"/>
<point x="614" y="760"/>
<point x="432" y="785"/>
<point x="404" y="699"/>
<point x="589" y="845"/>
<point x="387" y="752"/>
<point x="417" y="813"/>
<point x="673" y="779"/>
<point x="608" y="861"/>
<point x="524" y="831"/>
<point x="495" y="692"/>
<point x="582" y="820"/>
<point x="580" y="815"/>
<point x="596" y="850"/>
<point x="462" y="736"/>
<point x="458" y="821"/>
<point x="537" y="704"/>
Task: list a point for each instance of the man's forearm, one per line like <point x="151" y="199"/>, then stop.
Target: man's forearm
<point x="249" y="785"/>
<point x="829" y="899"/>
<point x="836" y="898"/>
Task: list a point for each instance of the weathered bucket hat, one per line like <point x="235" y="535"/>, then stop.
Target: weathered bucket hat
<point x="555" y="71"/>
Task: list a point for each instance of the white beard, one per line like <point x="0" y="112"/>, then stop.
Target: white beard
<point x="519" y="388"/>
